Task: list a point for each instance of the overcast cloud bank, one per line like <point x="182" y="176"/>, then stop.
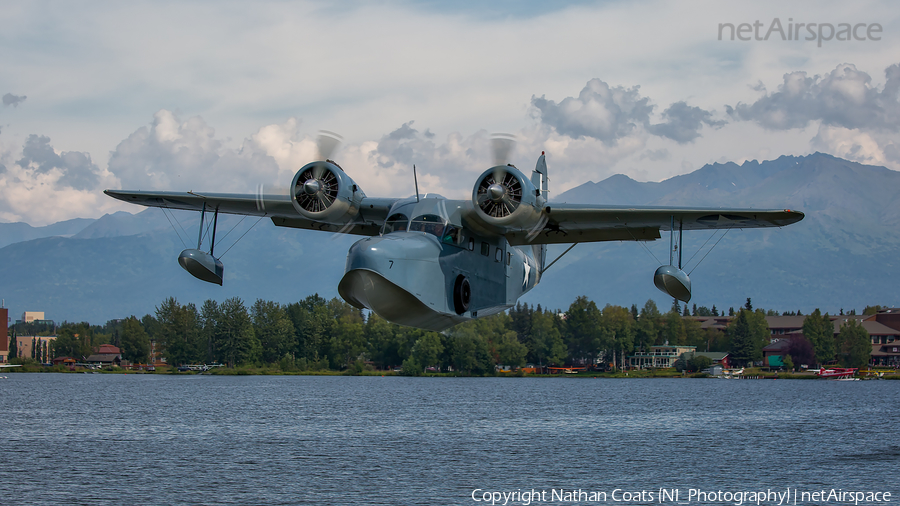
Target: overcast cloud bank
<point x="603" y="130"/>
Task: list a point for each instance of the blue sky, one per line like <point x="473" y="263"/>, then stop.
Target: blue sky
<point x="222" y="96"/>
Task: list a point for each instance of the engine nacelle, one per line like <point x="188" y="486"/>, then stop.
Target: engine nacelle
<point x="504" y="198"/>
<point x="322" y="191"/>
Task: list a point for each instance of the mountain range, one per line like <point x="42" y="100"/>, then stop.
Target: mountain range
<point x="843" y="255"/>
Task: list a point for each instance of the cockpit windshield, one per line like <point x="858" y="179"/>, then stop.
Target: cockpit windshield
<point x="396" y="222"/>
<point x="428" y="223"/>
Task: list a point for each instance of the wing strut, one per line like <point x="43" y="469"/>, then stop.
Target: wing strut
<point x="557" y="258"/>
<point x="202" y="265"/>
<point x="416" y="181"/>
<point x="212" y="242"/>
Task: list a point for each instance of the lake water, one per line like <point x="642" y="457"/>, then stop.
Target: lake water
<point x="148" y="439"/>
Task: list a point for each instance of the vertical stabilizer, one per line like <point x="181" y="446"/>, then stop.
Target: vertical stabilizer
<point x="539" y="177"/>
<point x="540" y="181"/>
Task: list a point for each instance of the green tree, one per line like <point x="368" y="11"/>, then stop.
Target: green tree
<point x="699" y="362"/>
<point x="647" y="326"/>
<point x="347" y="338"/>
<point x="691" y="362"/>
<point x="583" y="335"/>
<point x="870" y="310"/>
<point x="178" y="332"/>
<point x="427" y="350"/>
<point x="273" y="329"/>
<point x="819" y="330"/>
<point x="854" y="344"/>
<point x="382" y="341"/>
<point x="13" y="344"/>
<point x="510" y="351"/>
<point x="673" y="330"/>
<point x="788" y="362"/>
<point x="748" y="331"/>
<point x="619" y="329"/>
<point x="548" y="344"/>
<point x="210" y="315"/>
<point x="135" y="341"/>
<point x="236" y="342"/>
<point x="703" y="311"/>
<point x="73" y="340"/>
<point x="313" y="323"/>
<point x="470" y="353"/>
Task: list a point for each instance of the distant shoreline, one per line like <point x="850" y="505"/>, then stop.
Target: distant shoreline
<point x="263" y="371"/>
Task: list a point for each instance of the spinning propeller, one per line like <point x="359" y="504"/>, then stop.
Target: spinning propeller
<point x="500" y="192"/>
<point x="317" y="187"/>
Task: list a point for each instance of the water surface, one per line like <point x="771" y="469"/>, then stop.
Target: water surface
<point x="157" y="439"/>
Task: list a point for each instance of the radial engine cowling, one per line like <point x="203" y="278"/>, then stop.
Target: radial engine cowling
<point x="322" y="191"/>
<point x="504" y="198"/>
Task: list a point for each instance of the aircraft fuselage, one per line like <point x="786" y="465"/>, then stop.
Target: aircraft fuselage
<point x="430" y="269"/>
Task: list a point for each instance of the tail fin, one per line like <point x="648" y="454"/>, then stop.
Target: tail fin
<point x="539" y="177"/>
<point x="540" y="181"/>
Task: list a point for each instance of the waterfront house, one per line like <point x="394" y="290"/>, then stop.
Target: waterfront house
<point x="658" y="357"/>
<point x="107" y="355"/>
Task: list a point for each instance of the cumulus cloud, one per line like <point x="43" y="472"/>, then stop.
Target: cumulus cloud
<point x="599" y="112"/>
<point x="76" y="170"/>
<point x="682" y="123"/>
<point x="13" y="100"/>
<point x="173" y="155"/>
<point x="860" y="145"/>
<point x="610" y="114"/>
<point x="41" y="185"/>
<point x="844" y="98"/>
<point x="856" y="120"/>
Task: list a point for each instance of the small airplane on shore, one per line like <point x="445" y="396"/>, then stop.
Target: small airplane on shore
<point x="837" y="373"/>
<point x="430" y="262"/>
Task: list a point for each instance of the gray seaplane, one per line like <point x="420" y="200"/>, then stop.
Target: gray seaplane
<point x="430" y="262"/>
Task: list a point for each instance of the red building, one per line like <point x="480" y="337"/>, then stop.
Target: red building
<point x="4" y="335"/>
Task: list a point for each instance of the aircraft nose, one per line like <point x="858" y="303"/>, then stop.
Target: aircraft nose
<point x="386" y="254"/>
<point x="399" y="277"/>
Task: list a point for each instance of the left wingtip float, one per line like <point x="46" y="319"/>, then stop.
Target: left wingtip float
<point x="202" y="265"/>
<point x="673" y="281"/>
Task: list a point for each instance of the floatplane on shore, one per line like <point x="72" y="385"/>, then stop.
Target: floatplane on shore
<point x="838" y="373"/>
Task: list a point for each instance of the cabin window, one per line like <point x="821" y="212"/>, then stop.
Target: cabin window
<point x="498" y="255"/>
<point x="428" y="223"/>
<point x="396" y="223"/>
<point x="451" y="235"/>
<point x="471" y="244"/>
<point x="485" y="248"/>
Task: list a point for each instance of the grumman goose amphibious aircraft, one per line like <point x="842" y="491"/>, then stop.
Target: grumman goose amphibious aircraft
<point x="430" y="262"/>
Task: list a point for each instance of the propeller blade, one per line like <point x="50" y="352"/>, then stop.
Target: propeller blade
<point x="499" y="173"/>
<point x="327" y="143"/>
<point x="502" y="146"/>
<point x="318" y="171"/>
<point x="265" y="193"/>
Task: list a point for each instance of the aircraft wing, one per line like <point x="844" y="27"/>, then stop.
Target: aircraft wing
<point x="570" y="223"/>
<point x="367" y="221"/>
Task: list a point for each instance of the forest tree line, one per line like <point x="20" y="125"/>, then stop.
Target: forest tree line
<point x="320" y="334"/>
